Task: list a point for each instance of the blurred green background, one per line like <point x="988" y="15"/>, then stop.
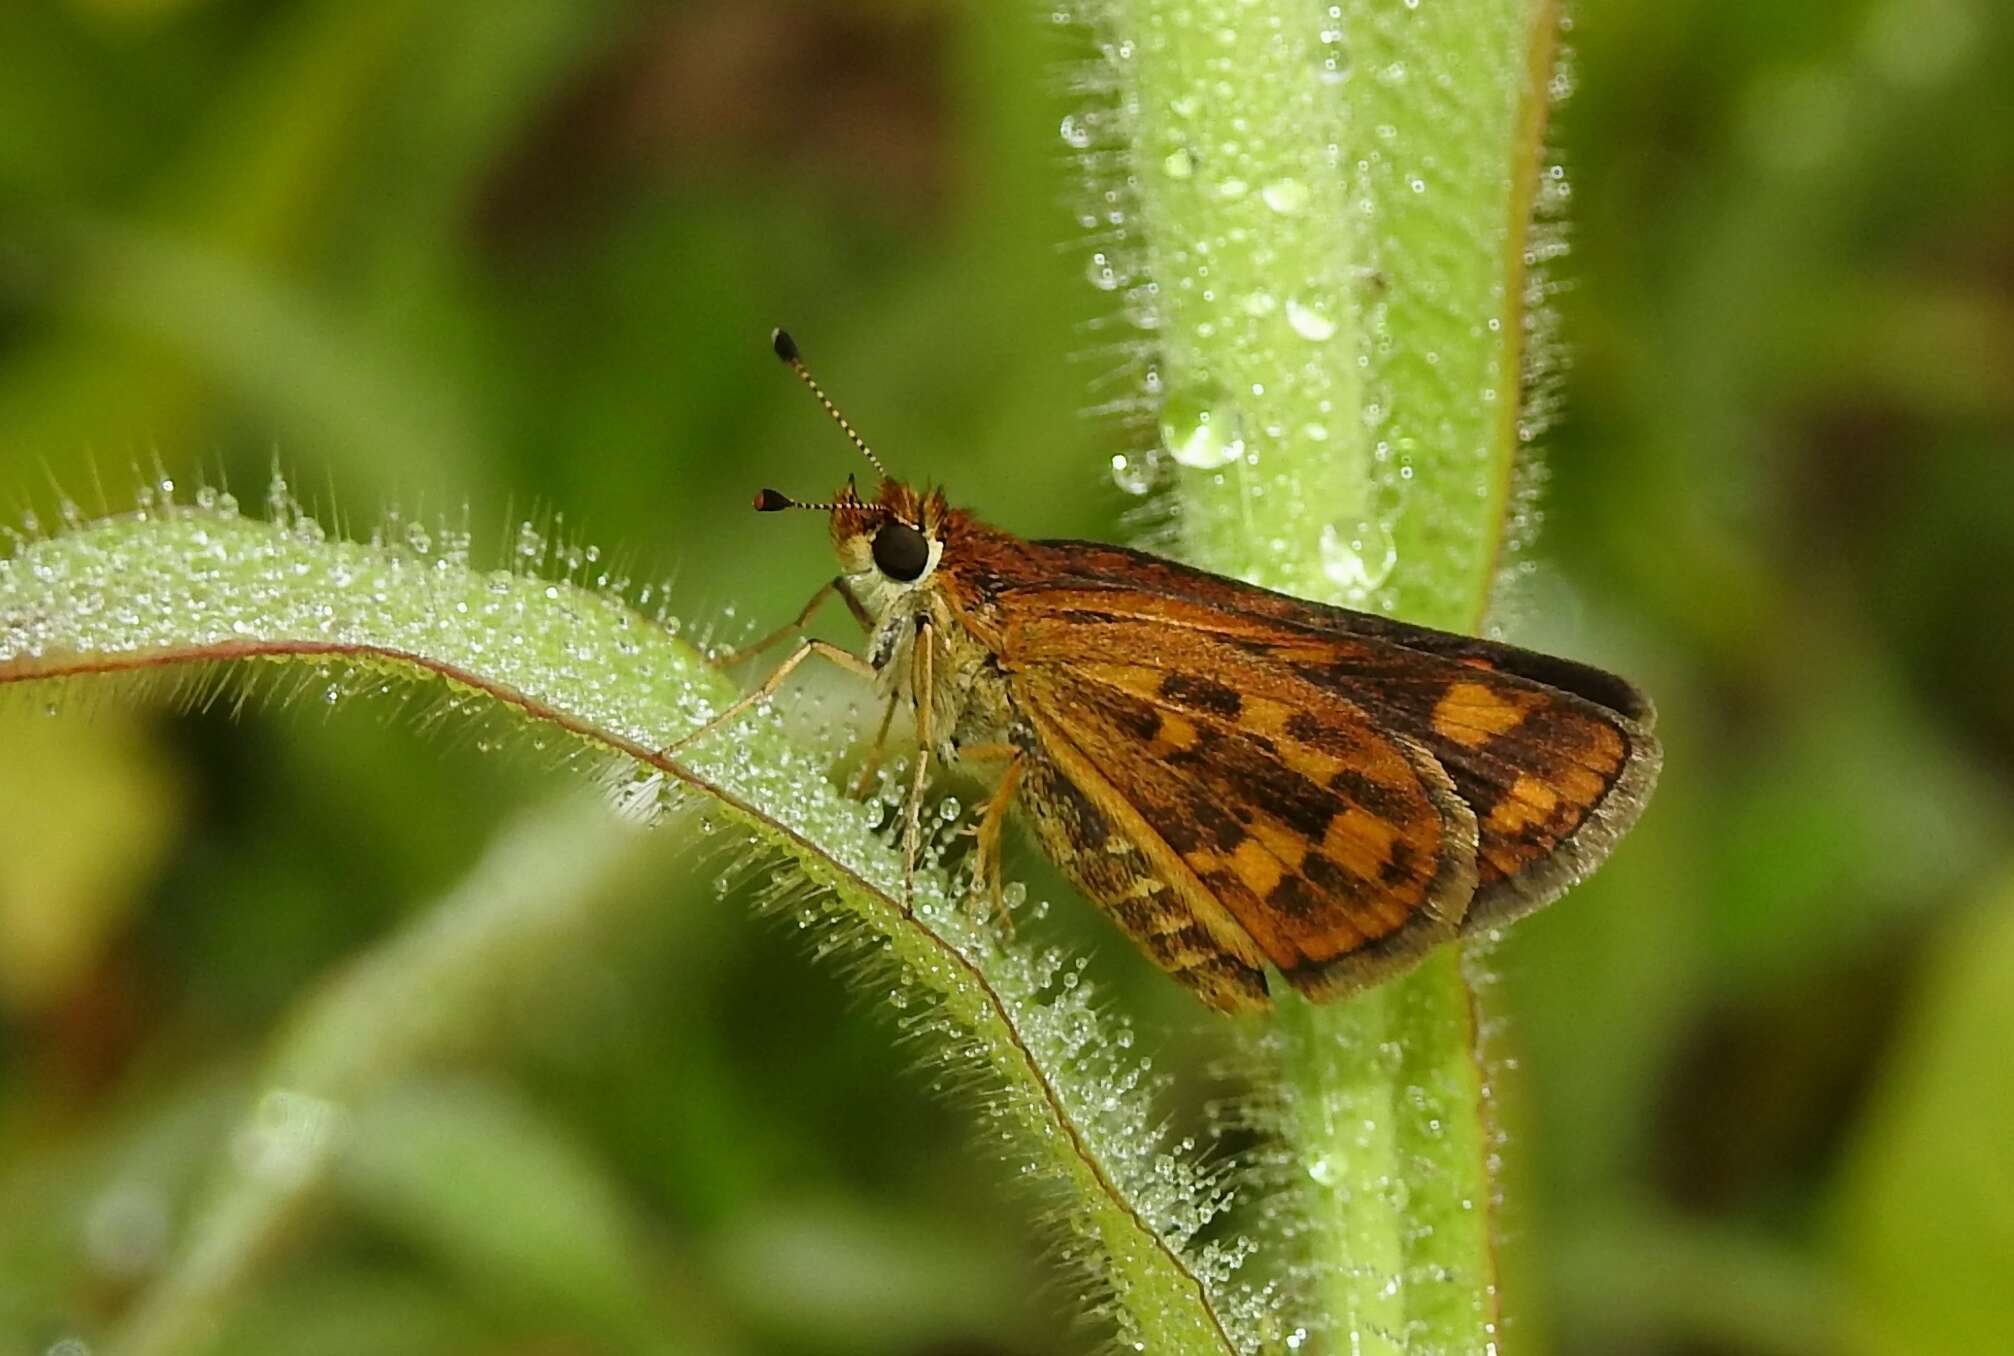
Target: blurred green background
<point x="524" y="256"/>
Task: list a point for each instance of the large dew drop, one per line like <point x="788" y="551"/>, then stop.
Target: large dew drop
<point x="1200" y="427"/>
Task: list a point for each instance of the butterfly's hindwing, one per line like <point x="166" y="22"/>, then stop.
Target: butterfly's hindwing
<point x="1103" y="861"/>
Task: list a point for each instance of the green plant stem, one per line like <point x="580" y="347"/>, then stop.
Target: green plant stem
<point x="1335" y="218"/>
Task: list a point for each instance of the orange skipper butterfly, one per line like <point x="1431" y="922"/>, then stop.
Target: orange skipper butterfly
<point x="1239" y="778"/>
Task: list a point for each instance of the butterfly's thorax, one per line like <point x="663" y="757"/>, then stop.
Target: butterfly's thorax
<point x="980" y="564"/>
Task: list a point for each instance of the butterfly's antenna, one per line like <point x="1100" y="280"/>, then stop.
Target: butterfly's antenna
<point x="775" y="501"/>
<point x="786" y="349"/>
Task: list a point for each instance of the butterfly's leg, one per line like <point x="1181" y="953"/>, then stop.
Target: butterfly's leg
<point x="873" y="763"/>
<point x="991" y="820"/>
<point x="846" y="659"/>
<point x="922" y="685"/>
<point x="835" y="585"/>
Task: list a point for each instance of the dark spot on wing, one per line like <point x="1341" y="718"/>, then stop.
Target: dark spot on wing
<point x="1220" y="824"/>
<point x="1089" y="828"/>
<point x="1333" y="880"/>
<point x="1134" y="718"/>
<point x="1292" y="799"/>
<point x="1224" y="883"/>
<point x="1372" y="796"/>
<point x="1401" y="863"/>
<point x="1239" y="770"/>
<point x="1202" y="694"/>
<point x="1306" y="728"/>
<point x="1294" y="897"/>
<point x="1179" y="834"/>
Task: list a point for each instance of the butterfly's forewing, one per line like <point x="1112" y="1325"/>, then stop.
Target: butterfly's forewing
<point x="1553" y="778"/>
<point x="1585" y="732"/>
<point x="1351" y="790"/>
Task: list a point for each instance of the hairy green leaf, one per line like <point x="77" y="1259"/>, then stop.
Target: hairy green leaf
<point x="181" y="590"/>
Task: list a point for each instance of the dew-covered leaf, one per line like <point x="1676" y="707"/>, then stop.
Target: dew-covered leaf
<point x="182" y="591"/>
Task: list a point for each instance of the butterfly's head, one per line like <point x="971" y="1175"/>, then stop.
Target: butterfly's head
<point x="894" y="539"/>
<point x="890" y="543"/>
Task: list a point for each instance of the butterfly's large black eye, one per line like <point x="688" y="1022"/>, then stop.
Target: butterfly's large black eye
<point x="900" y="551"/>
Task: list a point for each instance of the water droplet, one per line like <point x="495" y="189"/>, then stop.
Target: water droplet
<point x="1102" y="274"/>
<point x="1075" y="132"/>
<point x="1139" y="306"/>
<point x="1358" y="557"/>
<point x="1232" y="189"/>
<point x="1285" y="196"/>
<point x="1200" y="427"/>
<point x="1260" y="302"/>
<point x="1135" y="473"/>
<point x="1310" y="321"/>
<point x="530" y="546"/>
<point x="1178" y="163"/>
